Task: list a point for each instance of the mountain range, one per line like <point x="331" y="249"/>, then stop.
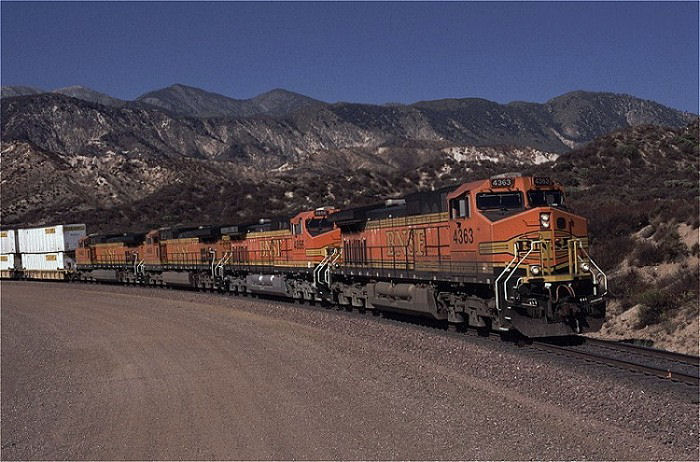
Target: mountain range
<point x="76" y="151"/>
<point x="279" y="127"/>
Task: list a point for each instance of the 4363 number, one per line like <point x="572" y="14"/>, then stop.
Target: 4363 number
<point x="463" y="236"/>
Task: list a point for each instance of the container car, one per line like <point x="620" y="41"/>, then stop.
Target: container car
<point x="59" y="238"/>
<point x="8" y="241"/>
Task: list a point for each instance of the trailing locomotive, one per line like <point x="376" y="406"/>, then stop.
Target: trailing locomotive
<point x="497" y="254"/>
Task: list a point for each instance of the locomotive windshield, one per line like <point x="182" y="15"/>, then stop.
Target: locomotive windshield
<point x="316" y="226"/>
<point x="543" y="197"/>
<point x="499" y="201"/>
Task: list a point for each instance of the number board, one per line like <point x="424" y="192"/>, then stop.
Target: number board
<point x="542" y="181"/>
<point x="501" y="182"/>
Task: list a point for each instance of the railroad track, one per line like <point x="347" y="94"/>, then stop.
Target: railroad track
<point x="667" y="365"/>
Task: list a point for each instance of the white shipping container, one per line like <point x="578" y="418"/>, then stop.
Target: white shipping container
<point x="9" y="261"/>
<point x="46" y="261"/>
<point x="8" y="241"/>
<point x="59" y="238"/>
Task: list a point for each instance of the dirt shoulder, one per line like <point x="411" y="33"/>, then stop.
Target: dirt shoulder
<point x="101" y="372"/>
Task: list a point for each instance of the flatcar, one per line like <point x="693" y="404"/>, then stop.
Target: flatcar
<point x="502" y="254"/>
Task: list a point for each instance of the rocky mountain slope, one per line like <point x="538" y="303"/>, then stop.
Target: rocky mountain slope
<point x="73" y="126"/>
<point x="19" y="90"/>
<point x="193" y="102"/>
<point x="90" y="95"/>
<point x="58" y="150"/>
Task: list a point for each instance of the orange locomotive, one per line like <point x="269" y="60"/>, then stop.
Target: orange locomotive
<point x="502" y="253"/>
<point x="274" y="257"/>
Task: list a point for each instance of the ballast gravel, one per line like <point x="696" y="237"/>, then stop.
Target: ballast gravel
<point x="111" y="372"/>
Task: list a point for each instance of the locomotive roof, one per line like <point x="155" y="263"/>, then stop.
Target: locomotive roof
<point x="126" y="238"/>
<point x="264" y="224"/>
<point x="418" y="203"/>
<point x="182" y="232"/>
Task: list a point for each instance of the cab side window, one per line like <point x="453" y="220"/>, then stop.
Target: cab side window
<point x="459" y="207"/>
<point x="296" y="228"/>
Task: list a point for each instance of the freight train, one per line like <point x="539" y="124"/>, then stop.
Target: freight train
<point x="498" y="254"/>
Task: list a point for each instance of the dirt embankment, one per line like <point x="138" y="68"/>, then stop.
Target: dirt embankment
<point x="662" y="308"/>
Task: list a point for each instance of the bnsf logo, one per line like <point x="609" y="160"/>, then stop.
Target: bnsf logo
<point x="271" y="248"/>
<point x="406" y="242"/>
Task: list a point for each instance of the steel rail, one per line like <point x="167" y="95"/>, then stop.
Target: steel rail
<point x="681" y="358"/>
<point x="693" y="380"/>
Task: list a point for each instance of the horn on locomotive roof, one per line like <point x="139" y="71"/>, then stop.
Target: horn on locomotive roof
<point x="506" y="175"/>
<point x="264" y="221"/>
<point x="390" y="202"/>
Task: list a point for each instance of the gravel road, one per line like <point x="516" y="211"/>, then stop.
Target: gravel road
<point x="109" y="372"/>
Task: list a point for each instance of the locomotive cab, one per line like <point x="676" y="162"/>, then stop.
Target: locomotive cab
<point x="315" y="234"/>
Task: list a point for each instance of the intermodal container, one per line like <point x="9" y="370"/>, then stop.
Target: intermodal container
<point x="8" y="241"/>
<point x="50" y="261"/>
<point x="59" y="238"/>
<point x="9" y="261"/>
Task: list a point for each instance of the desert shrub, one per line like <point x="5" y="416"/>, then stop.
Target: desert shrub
<point x="695" y="249"/>
<point x="626" y="286"/>
<point x="647" y="253"/>
<point x="608" y="253"/>
<point x="684" y="283"/>
<point x="655" y="305"/>
<point x="612" y="218"/>
<point x="686" y="143"/>
<point x="669" y="243"/>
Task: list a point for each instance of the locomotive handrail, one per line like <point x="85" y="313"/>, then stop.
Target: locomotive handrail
<point x="319" y="268"/>
<point x="512" y="268"/>
<point x="337" y="255"/>
<point x="218" y="269"/>
<point x="595" y="265"/>
<point x="505" y="283"/>
<point x="498" y="308"/>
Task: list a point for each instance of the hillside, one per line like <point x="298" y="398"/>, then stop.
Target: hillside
<point x="639" y="187"/>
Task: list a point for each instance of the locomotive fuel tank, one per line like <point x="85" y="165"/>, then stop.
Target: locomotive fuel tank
<point x="405" y="298"/>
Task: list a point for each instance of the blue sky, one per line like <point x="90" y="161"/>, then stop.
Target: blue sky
<point x="363" y="52"/>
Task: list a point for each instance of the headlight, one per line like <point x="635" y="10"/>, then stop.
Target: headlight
<point x="545" y="219"/>
<point x="585" y="266"/>
<point x="535" y="270"/>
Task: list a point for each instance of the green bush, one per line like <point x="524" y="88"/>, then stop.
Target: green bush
<point x="655" y="305"/>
